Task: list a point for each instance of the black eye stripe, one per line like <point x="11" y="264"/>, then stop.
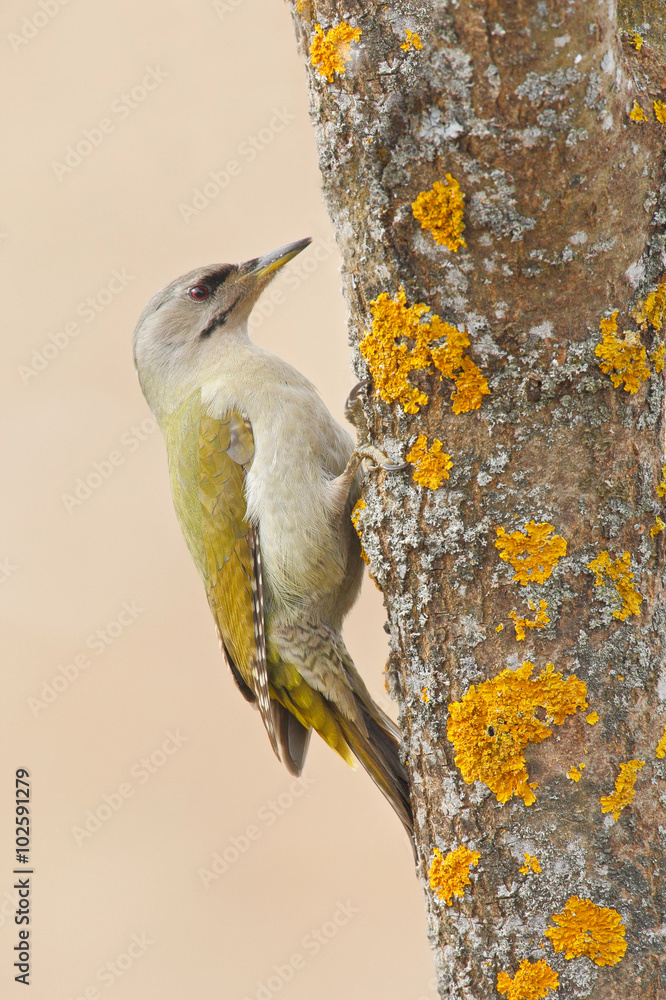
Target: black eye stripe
<point x="218" y="320"/>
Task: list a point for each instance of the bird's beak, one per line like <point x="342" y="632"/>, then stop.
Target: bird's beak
<point x="262" y="267"/>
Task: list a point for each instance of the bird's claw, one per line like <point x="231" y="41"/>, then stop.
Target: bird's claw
<point x="356" y="391"/>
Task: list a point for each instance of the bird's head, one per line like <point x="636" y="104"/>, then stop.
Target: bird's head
<point x="192" y="318"/>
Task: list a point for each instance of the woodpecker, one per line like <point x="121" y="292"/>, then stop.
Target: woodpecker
<point x="263" y="482"/>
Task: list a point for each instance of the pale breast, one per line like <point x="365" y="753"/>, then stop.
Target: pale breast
<point x="299" y="450"/>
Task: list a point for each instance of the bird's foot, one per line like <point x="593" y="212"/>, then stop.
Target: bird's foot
<point x="364" y="451"/>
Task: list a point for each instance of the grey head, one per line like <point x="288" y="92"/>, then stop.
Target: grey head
<point x="187" y="321"/>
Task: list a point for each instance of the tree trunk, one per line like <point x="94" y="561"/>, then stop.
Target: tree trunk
<point x="524" y="554"/>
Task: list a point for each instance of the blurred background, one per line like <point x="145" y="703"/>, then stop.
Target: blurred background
<point x="173" y="856"/>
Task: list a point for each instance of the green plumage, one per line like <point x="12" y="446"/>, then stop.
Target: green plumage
<point x="208" y="459"/>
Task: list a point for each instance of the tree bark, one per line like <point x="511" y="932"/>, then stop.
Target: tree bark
<point x="527" y="107"/>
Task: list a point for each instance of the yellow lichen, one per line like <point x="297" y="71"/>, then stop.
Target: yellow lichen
<point x="661" y="746"/>
<point x="618" y="572"/>
<point x="637" y="41"/>
<point x="440" y="211"/>
<point x="355" y="515"/>
<point x="657" y="527"/>
<point x="657" y="358"/>
<point x="533" y="981"/>
<point x="329" y="52"/>
<point x="412" y="40"/>
<point x="400" y="343"/>
<point x="652" y="310"/>
<point x="470" y="387"/>
<point x="661" y="488"/>
<point x="637" y="114"/>
<point x="449" y="875"/>
<point x="587" y="929"/>
<point x="521" y="624"/>
<point x="531" y="865"/>
<point x="660" y="111"/>
<point x="624" y="789"/>
<point x="592" y="718"/>
<point x="424" y="694"/>
<point x="624" y="360"/>
<point x="499" y="628"/>
<point x="576" y="772"/>
<point x="491" y="726"/>
<point x="532" y="554"/>
<point x="432" y="465"/>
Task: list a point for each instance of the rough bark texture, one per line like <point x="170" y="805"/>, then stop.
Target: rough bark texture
<point x="527" y="105"/>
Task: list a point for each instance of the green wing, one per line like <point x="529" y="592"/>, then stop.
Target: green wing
<point x="209" y="458"/>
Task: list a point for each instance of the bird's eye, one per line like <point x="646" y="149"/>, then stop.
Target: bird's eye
<point x="199" y="292"/>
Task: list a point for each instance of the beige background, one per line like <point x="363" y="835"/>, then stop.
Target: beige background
<point x="329" y="850"/>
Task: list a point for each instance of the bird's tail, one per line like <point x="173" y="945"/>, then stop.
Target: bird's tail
<point x="379" y="753"/>
<point x="351" y="723"/>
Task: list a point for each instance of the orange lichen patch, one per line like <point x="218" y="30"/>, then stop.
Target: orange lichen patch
<point x="491" y="726"/>
<point x="412" y="40"/>
<point x="532" y="554"/>
<point x="400" y="343"/>
<point x="499" y="628"/>
<point x="355" y="515"/>
<point x="531" y="865"/>
<point x="637" y="41"/>
<point x="637" y="114"/>
<point x="657" y="527"/>
<point x="431" y="464"/>
<point x="652" y="310"/>
<point x="587" y="929"/>
<point x="623" y="360"/>
<point x="575" y="773"/>
<point x="471" y="385"/>
<point x="329" y="52"/>
<point x="661" y="488"/>
<point x="533" y="981"/>
<point x="592" y="718"/>
<point x="660" y="111"/>
<point x="661" y="746"/>
<point x="521" y="624"/>
<point x="624" y="789"/>
<point x="449" y="875"/>
<point x="618" y="572"/>
<point x="424" y="694"/>
<point x="440" y="211"/>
